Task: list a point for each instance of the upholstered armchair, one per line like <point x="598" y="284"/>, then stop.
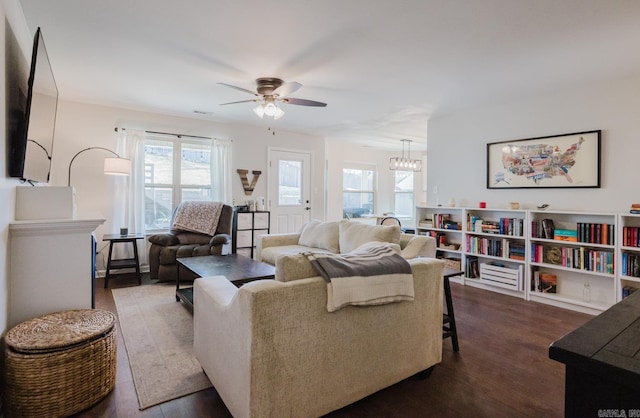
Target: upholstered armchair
<point x="184" y="240"/>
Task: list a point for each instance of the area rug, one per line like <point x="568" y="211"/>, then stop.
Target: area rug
<point x="158" y="336"/>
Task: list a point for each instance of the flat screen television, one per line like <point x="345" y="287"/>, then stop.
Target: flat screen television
<point x="31" y="144"/>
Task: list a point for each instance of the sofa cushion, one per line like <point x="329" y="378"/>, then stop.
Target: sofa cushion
<point x="270" y="254"/>
<point x="354" y="234"/>
<point x="324" y="235"/>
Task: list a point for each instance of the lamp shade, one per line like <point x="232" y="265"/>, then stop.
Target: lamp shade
<point x="117" y="166"/>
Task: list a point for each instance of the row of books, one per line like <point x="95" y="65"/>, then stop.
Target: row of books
<point x="631" y="236"/>
<point x="592" y="233"/>
<point x="498" y="247"/>
<point x="542" y="229"/>
<point x="471" y="268"/>
<point x="544" y="282"/>
<point x="581" y="258"/>
<point x="596" y="233"/>
<point x="630" y="264"/>
<point x="504" y="226"/>
<point x="441" y="221"/>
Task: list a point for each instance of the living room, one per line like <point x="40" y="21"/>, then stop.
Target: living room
<point x="456" y="163"/>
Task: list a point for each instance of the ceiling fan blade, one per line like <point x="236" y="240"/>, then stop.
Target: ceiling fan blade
<point x="241" y="101"/>
<point x="239" y="88"/>
<point x="303" y="102"/>
<point x="287" y="89"/>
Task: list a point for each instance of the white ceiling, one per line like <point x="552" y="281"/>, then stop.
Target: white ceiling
<point x="383" y="67"/>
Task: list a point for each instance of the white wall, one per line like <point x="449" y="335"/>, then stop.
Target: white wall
<point x="81" y="125"/>
<point x="457" y="147"/>
<point x="16" y="40"/>
<point x="338" y="153"/>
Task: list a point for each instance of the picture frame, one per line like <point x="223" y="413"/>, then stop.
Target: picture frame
<point x="557" y="161"/>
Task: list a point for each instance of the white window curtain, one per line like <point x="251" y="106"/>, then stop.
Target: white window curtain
<point x="130" y="211"/>
<point x="221" y="171"/>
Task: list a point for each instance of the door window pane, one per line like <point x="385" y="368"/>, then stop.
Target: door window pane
<point x="289" y="182"/>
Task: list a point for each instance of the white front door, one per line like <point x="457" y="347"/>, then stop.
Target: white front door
<point x="289" y="185"/>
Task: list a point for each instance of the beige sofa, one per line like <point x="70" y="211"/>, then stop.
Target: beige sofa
<point x="341" y="237"/>
<point x="271" y="348"/>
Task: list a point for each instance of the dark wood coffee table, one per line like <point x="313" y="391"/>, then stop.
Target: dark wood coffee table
<point x="238" y="269"/>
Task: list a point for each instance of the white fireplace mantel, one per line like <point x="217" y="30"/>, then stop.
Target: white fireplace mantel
<point x="51" y="266"/>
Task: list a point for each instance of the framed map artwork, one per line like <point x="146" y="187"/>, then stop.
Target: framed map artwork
<point x="569" y="160"/>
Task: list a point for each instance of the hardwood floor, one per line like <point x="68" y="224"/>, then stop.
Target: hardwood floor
<point x="501" y="370"/>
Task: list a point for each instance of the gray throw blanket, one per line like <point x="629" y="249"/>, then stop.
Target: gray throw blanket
<point x="370" y="275"/>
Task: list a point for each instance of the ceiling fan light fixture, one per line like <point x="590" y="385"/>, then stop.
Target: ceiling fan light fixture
<point x="259" y="110"/>
<point x="279" y="113"/>
<point x="270" y="109"/>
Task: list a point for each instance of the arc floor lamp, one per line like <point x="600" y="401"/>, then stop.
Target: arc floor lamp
<point x="117" y="166"/>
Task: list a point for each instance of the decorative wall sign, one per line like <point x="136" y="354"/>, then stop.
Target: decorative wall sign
<point x="560" y="161"/>
<point x="248" y="188"/>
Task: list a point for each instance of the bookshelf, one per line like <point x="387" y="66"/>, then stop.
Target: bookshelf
<point x="581" y="257"/>
<point x="495" y="241"/>
<point x="445" y="225"/>
<point x="628" y="271"/>
<point x="585" y="257"/>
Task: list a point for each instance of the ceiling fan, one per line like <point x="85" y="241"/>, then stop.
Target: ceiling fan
<point x="269" y="92"/>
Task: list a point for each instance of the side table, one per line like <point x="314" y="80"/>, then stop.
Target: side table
<point x="449" y="319"/>
<point x="122" y="263"/>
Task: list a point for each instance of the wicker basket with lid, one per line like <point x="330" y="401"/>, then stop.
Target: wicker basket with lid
<point x="59" y="364"/>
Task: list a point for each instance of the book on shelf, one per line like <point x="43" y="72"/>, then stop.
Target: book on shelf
<point x="544" y="282"/>
<point x="631" y="236"/>
<point x="630" y="264"/>
<point x="628" y="290"/>
<point x="471" y="268"/>
<point x="451" y="225"/>
<point x="570" y="235"/>
<point x="594" y="233"/>
<point x="552" y="254"/>
<point x="511" y="226"/>
<point x="548" y="282"/>
<point x="548" y="228"/>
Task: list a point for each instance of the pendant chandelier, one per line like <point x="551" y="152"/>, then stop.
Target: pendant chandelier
<point x="405" y="163"/>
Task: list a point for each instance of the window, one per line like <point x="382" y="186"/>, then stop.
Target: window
<point x="357" y="191"/>
<point x="404" y="193"/>
<point x="176" y="170"/>
<point x="290" y="183"/>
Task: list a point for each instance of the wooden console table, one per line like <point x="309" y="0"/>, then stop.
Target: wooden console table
<point x="602" y="360"/>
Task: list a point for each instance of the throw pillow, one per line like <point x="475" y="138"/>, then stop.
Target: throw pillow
<point x="318" y="234"/>
<point x="354" y="234"/>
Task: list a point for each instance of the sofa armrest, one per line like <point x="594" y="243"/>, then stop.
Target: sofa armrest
<point x="220" y="239"/>
<point x="294" y="267"/>
<point x="164" y="239"/>
<point x="419" y="246"/>
<point x="275" y="240"/>
<point x="217" y="289"/>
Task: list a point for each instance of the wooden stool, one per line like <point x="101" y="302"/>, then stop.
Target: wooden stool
<point x="59" y="364"/>
<point x="449" y="318"/>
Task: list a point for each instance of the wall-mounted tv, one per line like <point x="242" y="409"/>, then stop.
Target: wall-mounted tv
<point x="31" y="144"/>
